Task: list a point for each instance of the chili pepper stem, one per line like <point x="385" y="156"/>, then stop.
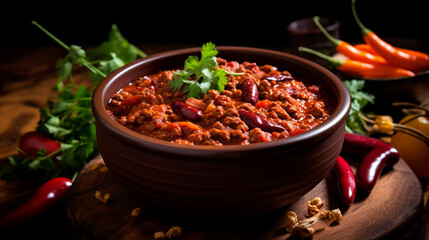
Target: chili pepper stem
<point x="400" y="128"/>
<point x="363" y="29"/>
<point x="406" y="104"/>
<point x="334" y="41"/>
<point x="415" y="133"/>
<point x="364" y="122"/>
<point x="411" y="60"/>
<point x="74" y="176"/>
<point x="333" y="61"/>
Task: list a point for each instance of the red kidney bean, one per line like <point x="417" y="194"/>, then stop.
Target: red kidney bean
<point x="250" y="91"/>
<point x="377" y="155"/>
<point x="256" y="121"/>
<point x="345" y="181"/>
<point x="278" y="78"/>
<point x="187" y="111"/>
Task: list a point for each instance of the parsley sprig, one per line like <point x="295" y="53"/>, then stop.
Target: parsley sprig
<point x="354" y="123"/>
<point x="68" y="117"/>
<point x="201" y="75"/>
<point x="76" y="55"/>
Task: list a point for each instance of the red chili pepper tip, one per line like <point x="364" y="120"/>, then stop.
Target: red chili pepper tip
<point x="47" y="197"/>
<point x="346" y="181"/>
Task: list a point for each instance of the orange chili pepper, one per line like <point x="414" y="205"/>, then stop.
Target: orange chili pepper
<point x="349" y="50"/>
<point x="367" y="48"/>
<point x="362" y="69"/>
<point x="395" y="56"/>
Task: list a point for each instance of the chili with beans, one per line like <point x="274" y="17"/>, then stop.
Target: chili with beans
<point x="263" y="104"/>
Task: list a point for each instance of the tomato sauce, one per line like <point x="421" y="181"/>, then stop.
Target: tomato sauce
<point x="260" y="105"/>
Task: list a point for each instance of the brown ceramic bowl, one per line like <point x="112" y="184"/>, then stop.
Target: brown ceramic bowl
<point x="304" y="32"/>
<point x="228" y="180"/>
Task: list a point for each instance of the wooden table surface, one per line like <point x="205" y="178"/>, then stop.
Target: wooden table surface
<point x="27" y="78"/>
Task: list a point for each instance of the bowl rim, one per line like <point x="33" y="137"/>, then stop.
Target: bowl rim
<point x="140" y="140"/>
<point x="293" y="28"/>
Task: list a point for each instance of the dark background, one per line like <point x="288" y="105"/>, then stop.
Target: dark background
<point x="256" y="23"/>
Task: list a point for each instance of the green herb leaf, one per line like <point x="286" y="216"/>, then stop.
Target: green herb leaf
<point x="68" y="118"/>
<point x="64" y="65"/>
<point x="221" y="79"/>
<point x="354" y="124"/>
<point x="117" y="44"/>
<point x="199" y="76"/>
<point x="106" y="67"/>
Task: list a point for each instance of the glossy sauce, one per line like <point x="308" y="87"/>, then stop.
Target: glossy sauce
<point x="261" y="105"/>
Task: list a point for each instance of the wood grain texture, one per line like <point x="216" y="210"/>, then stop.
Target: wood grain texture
<point x="391" y="211"/>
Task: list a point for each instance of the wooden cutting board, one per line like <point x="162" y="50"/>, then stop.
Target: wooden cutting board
<point x="393" y="210"/>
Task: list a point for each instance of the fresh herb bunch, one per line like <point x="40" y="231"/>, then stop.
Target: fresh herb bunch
<point x="68" y="118"/>
<point x="354" y="123"/>
<point x="201" y="75"/>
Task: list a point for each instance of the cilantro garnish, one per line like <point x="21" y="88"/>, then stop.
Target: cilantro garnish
<point x="200" y="75"/>
<point x="354" y="123"/>
<point x="112" y="54"/>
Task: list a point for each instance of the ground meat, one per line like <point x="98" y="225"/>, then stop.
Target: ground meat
<point x="279" y="111"/>
<point x="213" y="116"/>
<point x="221" y="135"/>
<point x="232" y="122"/>
<point x="145" y="106"/>
<point x="255" y="135"/>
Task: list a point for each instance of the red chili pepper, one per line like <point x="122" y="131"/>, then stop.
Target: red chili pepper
<point x="254" y="120"/>
<point x="395" y="56"/>
<point x="346" y="181"/>
<point x="47" y="197"/>
<point x="187" y="111"/>
<point x="377" y="155"/>
<point x="278" y="78"/>
<point x="31" y="143"/>
<point x="371" y="166"/>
